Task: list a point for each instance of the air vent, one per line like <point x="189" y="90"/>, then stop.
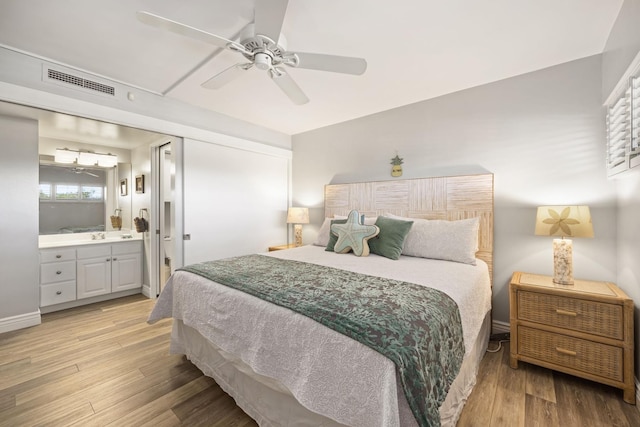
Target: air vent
<point x="80" y="82"/>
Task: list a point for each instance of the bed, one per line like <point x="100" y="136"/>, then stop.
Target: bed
<point x="285" y="368"/>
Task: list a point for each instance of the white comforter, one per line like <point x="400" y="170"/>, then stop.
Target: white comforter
<point x="325" y="371"/>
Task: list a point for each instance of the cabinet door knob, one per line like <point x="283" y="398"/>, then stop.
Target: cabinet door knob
<point x="58" y="256"/>
<point x="58" y="292"/>
<point x="108" y="259"/>
<point x="115" y="259"/>
<point x="58" y="272"/>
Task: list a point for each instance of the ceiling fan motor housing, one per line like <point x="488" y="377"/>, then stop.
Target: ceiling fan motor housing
<point x="262" y="60"/>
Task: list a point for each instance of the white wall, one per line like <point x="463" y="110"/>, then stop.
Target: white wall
<point x="622" y="47"/>
<point x="235" y="201"/>
<point x="19" y="278"/>
<point x="541" y="135"/>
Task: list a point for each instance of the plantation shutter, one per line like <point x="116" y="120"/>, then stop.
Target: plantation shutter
<point x="623" y="125"/>
<point x="634" y="114"/>
<point x="618" y="127"/>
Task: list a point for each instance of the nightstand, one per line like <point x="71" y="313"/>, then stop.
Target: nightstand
<point x="584" y="329"/>
<point x="281" y="247"/>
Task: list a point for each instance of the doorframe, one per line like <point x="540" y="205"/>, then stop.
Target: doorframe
<point x="156" y="260"/>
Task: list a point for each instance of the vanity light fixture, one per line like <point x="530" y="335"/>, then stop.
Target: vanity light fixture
<point x="64" y="155"/>
<point x="107" y="160"/>
<point x="85" y="158"/>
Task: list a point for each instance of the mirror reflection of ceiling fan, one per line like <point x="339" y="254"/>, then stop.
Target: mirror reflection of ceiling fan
<point x="82" y="170"/>
<point x="263" y="47"/>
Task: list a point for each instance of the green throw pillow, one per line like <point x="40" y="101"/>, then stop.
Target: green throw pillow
<point x="333" y="238"/>
<point x="388" y="243"/>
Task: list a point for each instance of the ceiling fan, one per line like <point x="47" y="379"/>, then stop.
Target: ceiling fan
<point x="82" y="170"/>
<point x="264" y="47"/>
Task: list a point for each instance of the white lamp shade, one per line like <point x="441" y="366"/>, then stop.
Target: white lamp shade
<point x="298" y="216"/>
<point x="564" y="221"/>
<point x="65" y="156"/>
<point x="107" y="160"/>
<point x="87" y="159"/>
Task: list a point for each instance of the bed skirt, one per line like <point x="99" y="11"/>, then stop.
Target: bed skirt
<point x="270" y="403"/>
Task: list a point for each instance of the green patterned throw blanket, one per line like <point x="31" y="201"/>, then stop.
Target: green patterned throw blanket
<point x="416" y="327"/>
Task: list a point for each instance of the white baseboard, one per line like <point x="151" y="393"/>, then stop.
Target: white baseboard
<point x="85" y="301"/>
<point x="498" y="327"/>
<point x="146" y="291"/>
<point x="20" y="321"/>
<point x="637" y="394"/>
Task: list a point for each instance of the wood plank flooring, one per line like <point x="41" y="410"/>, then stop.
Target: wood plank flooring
<point x="103" y="365"/>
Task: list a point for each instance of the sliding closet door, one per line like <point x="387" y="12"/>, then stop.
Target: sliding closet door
<point x="235" y="201"/>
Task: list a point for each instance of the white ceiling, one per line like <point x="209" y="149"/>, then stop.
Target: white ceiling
<point x="415" y="49"/>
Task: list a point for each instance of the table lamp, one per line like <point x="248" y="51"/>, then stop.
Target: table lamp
<point x="298" y="216"/>
<point x="563" y="221"/>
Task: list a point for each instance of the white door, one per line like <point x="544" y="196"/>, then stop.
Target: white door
<point x="126" y="272"/>
<point x="234" y="201"/>
<point x="94" y="276"/>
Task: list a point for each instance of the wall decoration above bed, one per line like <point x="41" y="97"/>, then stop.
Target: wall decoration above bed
<point x="396" y="166"/>
<point x="439" y="198"/>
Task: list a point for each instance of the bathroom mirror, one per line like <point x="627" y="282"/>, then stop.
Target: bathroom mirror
<point x="77" y="199"/>
<point x="62" y="131"/>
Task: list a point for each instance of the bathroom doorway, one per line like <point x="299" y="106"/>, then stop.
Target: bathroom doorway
<point x="166" y="242"/>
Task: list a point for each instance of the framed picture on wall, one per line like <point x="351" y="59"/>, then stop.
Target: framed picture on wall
<point x="140" y="184"/>
<point x="123" y="187"/>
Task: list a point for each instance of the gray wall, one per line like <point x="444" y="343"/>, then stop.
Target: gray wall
<point x="622" y="47"/>
<point x="19" y="287"/>
<point x="541" y="135"/>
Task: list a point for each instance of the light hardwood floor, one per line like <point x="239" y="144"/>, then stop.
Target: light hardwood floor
<point x="104" y="365"/>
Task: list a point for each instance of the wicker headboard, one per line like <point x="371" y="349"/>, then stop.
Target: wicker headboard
<point x="450" y="198"/>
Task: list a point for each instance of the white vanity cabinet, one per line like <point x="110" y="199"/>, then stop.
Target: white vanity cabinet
<point x="57" y="276"/>
<point x="82" y="274"/>
<point x="103" y="269"/>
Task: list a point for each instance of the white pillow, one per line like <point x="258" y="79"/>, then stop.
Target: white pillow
<point x="323" y="233"/>
<point x="325" y="229"/>
<point x="440" y="239"/>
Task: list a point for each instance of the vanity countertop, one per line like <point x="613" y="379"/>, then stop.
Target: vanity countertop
<point x="81" y="239"/>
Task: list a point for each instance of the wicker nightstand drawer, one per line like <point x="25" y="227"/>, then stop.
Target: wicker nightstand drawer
<point x="579" y="315"/>
<point x="587" y="356"/>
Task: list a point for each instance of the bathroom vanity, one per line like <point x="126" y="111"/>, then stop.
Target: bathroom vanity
<point x="82" y="269"/>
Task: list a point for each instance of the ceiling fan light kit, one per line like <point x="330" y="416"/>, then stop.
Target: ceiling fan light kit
<point x="263" y="46"/>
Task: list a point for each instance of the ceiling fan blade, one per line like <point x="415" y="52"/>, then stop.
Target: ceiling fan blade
<point x="269" y="15"/>
<point x="89" y="173"/>
<point x="288" y="86"/>
<point x="334" y="63"/>
<point x="185" y="30"/>
<point x="224" y="77"/>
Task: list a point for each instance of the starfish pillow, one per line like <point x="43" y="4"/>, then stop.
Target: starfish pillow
<point x="353" y="235"/>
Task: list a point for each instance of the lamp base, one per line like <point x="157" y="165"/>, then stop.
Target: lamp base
<point x="563" y="261"/>
<point x="297" y="235"/>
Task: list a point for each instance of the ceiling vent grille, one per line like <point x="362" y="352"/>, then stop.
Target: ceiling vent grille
<point x="80" y="82"/>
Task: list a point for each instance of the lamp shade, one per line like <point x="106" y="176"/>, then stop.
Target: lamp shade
<point x="107" y="160"/>
<point x="87" y="159"/>
<point x="298" y="216"/>
<point x="65" y="156"/>
<point x="564" y="221"/>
